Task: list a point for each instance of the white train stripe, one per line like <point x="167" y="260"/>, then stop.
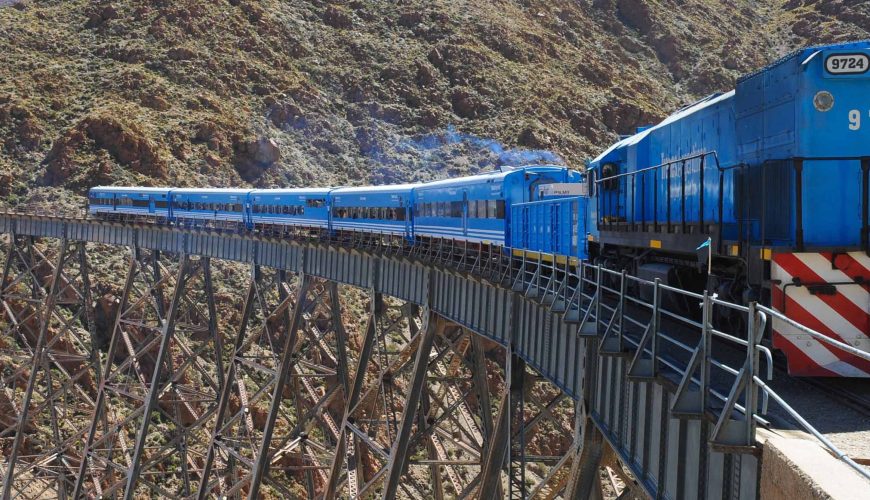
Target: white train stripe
<point x="817" y="307"/>
<point x="823" y="357"/>
<point x="288" y="220"/>
<point x="822" y="267"/>
<point x="459" y="229"/>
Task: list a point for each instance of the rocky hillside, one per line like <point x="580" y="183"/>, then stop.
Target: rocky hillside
<point x="294" y="92"/>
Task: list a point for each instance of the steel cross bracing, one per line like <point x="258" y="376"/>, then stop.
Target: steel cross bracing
<point x="466" y="373"/>
<point x="49" y="374"/>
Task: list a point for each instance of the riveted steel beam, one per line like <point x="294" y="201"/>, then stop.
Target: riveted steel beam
<point x="154" y="389"/>
<point x="265" y="455"/>
<point x="47" y="304"/>
<point x="399" y="451"/>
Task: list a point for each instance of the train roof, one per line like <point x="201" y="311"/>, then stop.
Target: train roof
<point x="230" y="191"/>
<point x="383" y="188"/>
<point x="683" y="112"/>
<point x="806" y="52"/>
<point x="494" y="175"/>
<point x="291" y="191"/>
<point x="130" y="189"/>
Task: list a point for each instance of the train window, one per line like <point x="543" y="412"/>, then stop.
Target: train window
<point x="161" y="204"/>
<point x="455" y="209"/>
<point x="315" y="203"/>
<point x="400" y="213"/>
<point x="499" y="209"/>
<point x="490" y="209"/>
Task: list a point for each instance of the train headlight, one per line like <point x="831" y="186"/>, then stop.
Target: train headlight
<point x="823" y="101"/>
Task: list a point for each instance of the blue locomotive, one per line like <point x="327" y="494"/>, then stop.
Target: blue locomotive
<point x="772" y="179"/>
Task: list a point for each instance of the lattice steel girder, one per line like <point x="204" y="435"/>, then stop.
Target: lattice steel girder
<point x="383" y="425"/>
<point x="161" y="377"/>
<point x="273" y="427"/>
<point x="48" y="363"/>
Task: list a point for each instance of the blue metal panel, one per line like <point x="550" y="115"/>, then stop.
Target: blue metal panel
<point x="556" y="226"/>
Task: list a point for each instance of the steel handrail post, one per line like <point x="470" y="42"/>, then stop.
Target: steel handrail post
<point x="751" y="397"/>
<point x="598" y="293"/>
<point x="621" y="318"/>
<point x="706" y="344"/>
<point x="654" y="325"/>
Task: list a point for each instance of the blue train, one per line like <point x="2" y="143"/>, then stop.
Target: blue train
<point x="476" y="209"/>
<point x="768" y="183"/>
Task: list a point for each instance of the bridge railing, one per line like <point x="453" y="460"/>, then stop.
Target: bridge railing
<point x="672" y="340"/>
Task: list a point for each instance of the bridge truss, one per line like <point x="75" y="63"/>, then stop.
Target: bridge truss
<point x="350" y="369"/>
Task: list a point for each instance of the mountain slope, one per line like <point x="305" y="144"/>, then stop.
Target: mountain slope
<point x="311" y="92"/>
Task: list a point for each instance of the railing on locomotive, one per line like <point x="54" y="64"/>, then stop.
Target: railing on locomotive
<point x="604" y="211"/>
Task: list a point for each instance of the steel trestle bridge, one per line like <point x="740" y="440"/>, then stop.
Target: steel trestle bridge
<point x="472" y="374"/>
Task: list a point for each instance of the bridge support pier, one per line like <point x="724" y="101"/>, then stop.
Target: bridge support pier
<point x="49" y="368"/>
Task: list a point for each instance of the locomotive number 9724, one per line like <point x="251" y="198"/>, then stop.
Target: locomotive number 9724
<point x="844" y="64"/>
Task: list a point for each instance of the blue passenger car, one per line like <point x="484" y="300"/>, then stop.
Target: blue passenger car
<point x="126" y="202"/>
<point x="211" y="207"/>
<point x="289" y="207"/>
<point x="380" y="209"/>
<point x="477" y="208"/>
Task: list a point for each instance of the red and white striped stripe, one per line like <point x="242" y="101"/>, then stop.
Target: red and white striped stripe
<point x="843" y="315"/>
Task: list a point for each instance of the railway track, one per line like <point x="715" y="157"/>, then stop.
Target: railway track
<point x="854" y="393"/>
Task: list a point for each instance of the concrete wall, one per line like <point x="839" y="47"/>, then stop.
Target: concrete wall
<point x="794" y="467"/>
